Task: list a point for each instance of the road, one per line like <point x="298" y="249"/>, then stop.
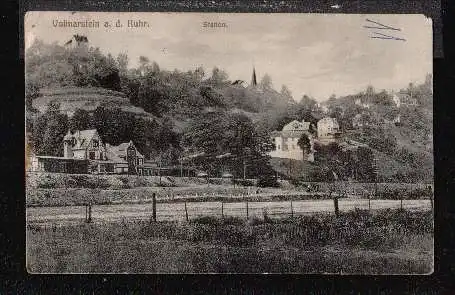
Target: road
<point x="176" y="211"/>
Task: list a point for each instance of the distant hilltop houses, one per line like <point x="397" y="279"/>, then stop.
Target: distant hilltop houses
<point x="286" y="140"/>
<point x="402" y="98"/>
<point x="84" y="152"/>
<point x="76" y="40"/>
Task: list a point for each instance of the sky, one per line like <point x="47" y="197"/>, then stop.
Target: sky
<point x="313" y="54"/>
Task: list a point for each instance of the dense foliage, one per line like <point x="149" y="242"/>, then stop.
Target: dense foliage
<point x="198" y="111"/>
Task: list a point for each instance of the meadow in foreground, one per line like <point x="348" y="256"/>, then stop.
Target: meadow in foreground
<point x="382" y="242"/>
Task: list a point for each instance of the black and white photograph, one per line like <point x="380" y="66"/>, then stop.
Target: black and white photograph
<point x="229" y="143"/>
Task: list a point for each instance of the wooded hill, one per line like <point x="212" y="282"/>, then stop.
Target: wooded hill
<point x="167" y="112"/>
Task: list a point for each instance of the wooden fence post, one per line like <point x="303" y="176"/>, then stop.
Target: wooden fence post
<point x="154" y="207"/>
<point x="401" y="204"/>
<point x="247" y="209"/>
<point x="222" y="210"/>
<point x="292" y="211"/>
<point x="335" y="203"/>
<point x="369" y="203"/>
<point x="86" y="213"/>
<point x="186" y="212"/>
<point x="89" y="213"/>
<point x="430" y="192"/>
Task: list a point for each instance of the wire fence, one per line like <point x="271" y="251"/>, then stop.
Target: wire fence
<point x="186" y="211"/>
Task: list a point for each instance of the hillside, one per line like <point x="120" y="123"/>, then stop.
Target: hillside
<point x="165" y="112"/>
<point x="389" y="169"/>
<point x="85" y="98"/>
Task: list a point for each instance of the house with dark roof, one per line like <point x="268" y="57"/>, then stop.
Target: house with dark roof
<point x="76" y="40"/>
<point x="85" y="152"/>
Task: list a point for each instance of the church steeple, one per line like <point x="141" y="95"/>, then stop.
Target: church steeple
<point x="253" y="78"/>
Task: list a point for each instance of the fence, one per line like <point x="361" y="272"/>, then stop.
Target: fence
<point x="185" y="211"/>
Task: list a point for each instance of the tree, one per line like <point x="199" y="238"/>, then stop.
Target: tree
<point x="143" y="61"/>
<point x="81" y="120"/>
<point x="266" y="82"/>
<point x="48" y="132"/>
<point x="286" y="92"/>
<point x="217" y="133"/>
<point x="307" y="103"/>
<point x="219" y="77"/>
<point x="305" y="144"/>
<point x="155" y="67"/>
<point x="122" y="62"/>
<point x="365" y="168"/>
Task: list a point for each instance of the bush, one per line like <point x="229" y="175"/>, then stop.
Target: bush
<point x="244" y="182"/>
<point x="268" y="182"/>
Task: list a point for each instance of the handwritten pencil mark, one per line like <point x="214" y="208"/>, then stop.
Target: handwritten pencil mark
<point x="384" y="36"/>
<point x="381" y="26"/>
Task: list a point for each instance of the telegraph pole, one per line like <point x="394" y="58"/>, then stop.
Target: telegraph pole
<point x="290" y="169"/>
<point x="159" y="169"/>
<point x="244" y="168"/>
<point x="375" y="171"/>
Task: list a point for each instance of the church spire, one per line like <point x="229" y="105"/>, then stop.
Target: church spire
<point x="253" y="78"/>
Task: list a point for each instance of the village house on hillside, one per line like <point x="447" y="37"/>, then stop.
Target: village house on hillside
<point x="360" y="103"/>
<point x="286" y="141"/>
<point x="84" y="152"/>
<point x="402" y="98"/>
<point x="328" y="130"/>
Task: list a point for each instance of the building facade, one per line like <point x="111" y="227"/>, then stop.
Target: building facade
<point x="402" y="98"/>
<point x="328" y="130"/>
<point x="286" y="142"/>
<point x="85" y="152"/>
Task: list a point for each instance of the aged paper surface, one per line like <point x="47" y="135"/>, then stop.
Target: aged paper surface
<point x="229" y="143"/>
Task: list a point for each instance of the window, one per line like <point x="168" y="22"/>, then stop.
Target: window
<point x="95" y="143"/>
<point x="91" y="155"/>
<point x="279" y="147"/>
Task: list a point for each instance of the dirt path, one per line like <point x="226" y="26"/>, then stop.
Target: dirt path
<point x="176" y="211"/>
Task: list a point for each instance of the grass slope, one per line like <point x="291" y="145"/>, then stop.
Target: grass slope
<point x="86" y="98"/>
<point x="386" y="242"/>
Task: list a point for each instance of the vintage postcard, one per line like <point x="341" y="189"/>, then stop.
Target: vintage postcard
<point x="229" y="143"/>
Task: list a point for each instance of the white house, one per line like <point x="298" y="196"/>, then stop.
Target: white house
<point x="328" y="130"/>
<point x="402" y="98"/>
<point x="359" y="102"/>
<point x="286" y="141"/>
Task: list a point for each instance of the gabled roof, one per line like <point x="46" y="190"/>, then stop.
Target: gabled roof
<point x="118" y="153"/>
<point x="289" y="134"/>
<point x="328" y="120"/>
<point x="82" y="137"/>
<point x="297" y="126"/>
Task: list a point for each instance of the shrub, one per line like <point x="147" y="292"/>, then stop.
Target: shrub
<point x="46" y="182"/>
<point x="125" y="182"/>
<point x="211" y="220"/>
<point x="269" y="181"/>
<point x="244" y="182"/>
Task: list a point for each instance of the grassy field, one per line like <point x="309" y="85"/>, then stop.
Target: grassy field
<point x="389" y="241"/>
<point x="53" y="189"/>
